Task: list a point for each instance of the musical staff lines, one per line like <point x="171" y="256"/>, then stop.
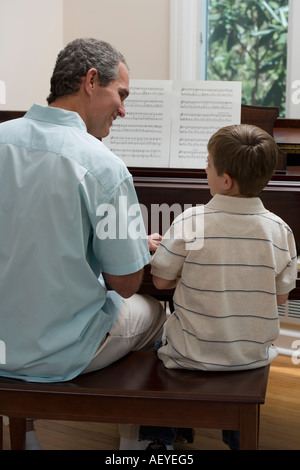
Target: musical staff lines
<point x="168" y="123"/>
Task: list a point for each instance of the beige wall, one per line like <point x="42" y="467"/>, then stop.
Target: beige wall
<point x="30" y="37"/>
<point x="138" y="28"/>
<point x="32" y="33"/>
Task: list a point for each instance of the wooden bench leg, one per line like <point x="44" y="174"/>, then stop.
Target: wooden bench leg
<point x="17" y="428"/>
<point x="249" y="427"/>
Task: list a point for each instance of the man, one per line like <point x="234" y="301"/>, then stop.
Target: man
<point x="69" y="268"/>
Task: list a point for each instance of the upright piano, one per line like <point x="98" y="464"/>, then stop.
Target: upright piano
<point x="189" y="187"/>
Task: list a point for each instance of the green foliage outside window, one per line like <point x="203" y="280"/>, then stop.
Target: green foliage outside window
<point x="248" y="43"/>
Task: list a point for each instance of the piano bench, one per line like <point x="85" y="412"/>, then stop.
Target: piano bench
<point x="139" y="390"/>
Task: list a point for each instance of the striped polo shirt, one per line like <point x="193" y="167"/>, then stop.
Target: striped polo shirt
<point x="232" y="257"/>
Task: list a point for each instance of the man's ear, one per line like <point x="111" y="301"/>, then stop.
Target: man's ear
<point x="91" y="80"/>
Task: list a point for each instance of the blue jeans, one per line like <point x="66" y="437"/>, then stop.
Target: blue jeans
<point x="167" y="435"/>
<point x="158" y="433"/>
<point x="232" y="439"/>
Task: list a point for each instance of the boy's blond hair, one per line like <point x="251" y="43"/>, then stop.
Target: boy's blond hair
<point x="247" y="154"/>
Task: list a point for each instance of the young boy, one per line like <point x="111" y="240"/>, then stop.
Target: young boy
<point x="225" y="303"/>
<point x="227" y="292"/>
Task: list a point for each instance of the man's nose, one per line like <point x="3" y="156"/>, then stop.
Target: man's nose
<point x="121" y="110"/>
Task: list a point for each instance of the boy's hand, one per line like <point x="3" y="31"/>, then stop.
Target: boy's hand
<point x="153" y="241"/>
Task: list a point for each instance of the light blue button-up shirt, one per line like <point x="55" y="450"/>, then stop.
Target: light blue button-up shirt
<point x="56" y="237"/>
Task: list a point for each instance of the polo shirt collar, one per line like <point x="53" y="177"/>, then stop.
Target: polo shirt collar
<point x="238" y="205"/>
<point x="56" y="116"/>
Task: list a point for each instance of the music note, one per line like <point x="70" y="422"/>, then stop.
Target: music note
<point x="168" y="124"/>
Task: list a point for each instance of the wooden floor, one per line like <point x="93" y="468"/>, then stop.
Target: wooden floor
<point x="280" y="421"/>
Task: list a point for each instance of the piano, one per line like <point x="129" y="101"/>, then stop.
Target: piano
<point x="189" y="187"/>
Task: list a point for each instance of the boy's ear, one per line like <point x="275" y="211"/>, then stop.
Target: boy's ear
<point x="227" y="181"/>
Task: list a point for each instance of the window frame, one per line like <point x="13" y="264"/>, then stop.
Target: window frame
<point x="188" y="42"/>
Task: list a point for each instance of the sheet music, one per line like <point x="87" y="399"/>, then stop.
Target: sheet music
<point x="142" y="137"/>
<point x="199" y="110"/>
<point x="168" y="123"/>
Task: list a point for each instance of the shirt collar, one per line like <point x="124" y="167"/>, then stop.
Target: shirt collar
<point x="238" y="205"/>
<point x="56" y="116"/>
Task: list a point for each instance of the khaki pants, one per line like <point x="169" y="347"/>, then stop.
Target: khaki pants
<point x="138" y="326"/>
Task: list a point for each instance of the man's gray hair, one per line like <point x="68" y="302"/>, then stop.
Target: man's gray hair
<point x="76" y="59"/>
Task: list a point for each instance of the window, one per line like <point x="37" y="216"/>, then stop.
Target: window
<point x="247" y="41"/>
